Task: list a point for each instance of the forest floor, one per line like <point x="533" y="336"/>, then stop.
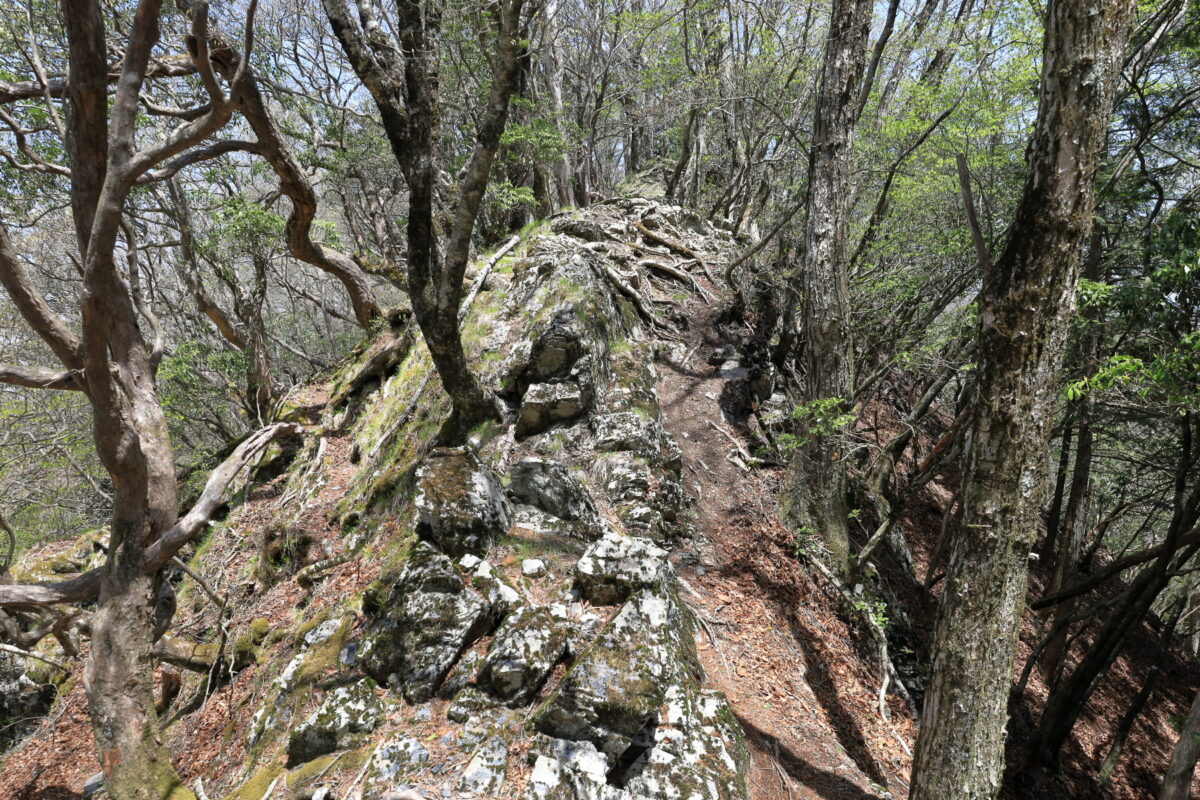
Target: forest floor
<point x="796" y="676"/>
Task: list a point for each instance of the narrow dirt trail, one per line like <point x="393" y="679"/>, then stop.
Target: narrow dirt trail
<point x="772" y="642"/>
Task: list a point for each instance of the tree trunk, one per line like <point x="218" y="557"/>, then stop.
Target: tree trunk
<point x="1177" y="782"/>
<point x="1149" y="683"/>
<point x="818" y="476"/>
<point x="1026" y="302"/>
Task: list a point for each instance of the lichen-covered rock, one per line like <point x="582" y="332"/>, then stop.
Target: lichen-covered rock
<point x="546" y="404"/>
<point x="533" y="568"/>
<point x="523" y="652"/>
<point x="469" y="702"/>
<point x="570" y="771"/>
<point x="430" y="617"/>
<point x="340" y="723"/>
<point x="615" y="688"/>
<point x="460" y="504"/>
<point x="636" y="432"/>
<point x="394" y="759"/>
<point x="697" y="752"/>
<point x="501" y="598"/>
<point x="485" y="772"/>
<point x="321" y="647"/>
<point x="548" y="485"/>
<point x="616" y="566"/>
<point x="22" y="701"/>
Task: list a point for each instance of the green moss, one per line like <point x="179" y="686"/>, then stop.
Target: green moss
<point x="255" y="788"/>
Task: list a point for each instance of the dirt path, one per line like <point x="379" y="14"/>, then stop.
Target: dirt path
<point x="772" y="642"/>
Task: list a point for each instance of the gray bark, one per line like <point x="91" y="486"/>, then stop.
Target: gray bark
<point x="1026" y="302"/>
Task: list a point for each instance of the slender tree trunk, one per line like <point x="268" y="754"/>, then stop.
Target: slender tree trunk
<point x="818" y="477"/>
<point x="1070" y="544"/>
<point x="1026" y="302"/>
<point x="1177" y="782"/>
<point x="1149" y="683"/>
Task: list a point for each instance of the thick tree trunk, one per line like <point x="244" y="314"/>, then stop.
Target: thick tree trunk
<point x="818" y="476"/>
<point x="1026" y="302"/>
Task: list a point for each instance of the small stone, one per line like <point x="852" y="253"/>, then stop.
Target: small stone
<point x="533" y="568"/>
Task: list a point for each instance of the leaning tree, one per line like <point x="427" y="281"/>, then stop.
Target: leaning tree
<point x="117" y="136"/>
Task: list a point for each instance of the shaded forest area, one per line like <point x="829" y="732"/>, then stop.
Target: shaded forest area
<point x="948" y="248"/>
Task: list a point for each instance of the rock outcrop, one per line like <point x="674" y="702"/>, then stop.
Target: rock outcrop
<point x="511" y="598"/>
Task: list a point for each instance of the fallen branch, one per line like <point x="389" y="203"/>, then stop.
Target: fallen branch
<point x="667" y="242"/>
<point x="16" y="651"/>
<point x="483" y="274"/>
<point x="877" y="632"/>
<point x="632" y="294"/>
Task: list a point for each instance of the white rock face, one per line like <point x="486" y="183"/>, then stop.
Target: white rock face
<point x="549" y="486"/>
<point x="346" y="714"/>
<point x="618" y="565"/>
<point x="429" y="619"/>
<point x="522" y="654"/>
<point x="533" y="568"/>
<point x="544" y="404"/>
<point x="485" y="772"/>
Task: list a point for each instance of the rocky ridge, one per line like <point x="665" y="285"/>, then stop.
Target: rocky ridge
<point x="498" y="619"/>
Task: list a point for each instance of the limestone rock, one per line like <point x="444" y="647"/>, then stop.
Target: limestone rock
<point x="523" y="652"/>
<point x="22" y="700"/>
<point x="469" y="702"/>
<point x="615" y="688"/>
<point x="460" y="504"/>
<point x="429" y="619"/>
<point x="394" y="759"/>
<point x="585" y="229"/>
<point x="340" y="722"/>
<point x="533" y="568"/>
<point x="545" y="404"/>
<point x="697" y="751"/>
<point x="571" y="771"/>
<point x="617" y="565"/>
<point x="636" y="432"/>
<point x="485" y="772"/>
<point x="548" y="485"/>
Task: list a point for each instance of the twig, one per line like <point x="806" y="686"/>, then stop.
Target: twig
<point x="16" y="651"/>
<point x="362" y="773"/>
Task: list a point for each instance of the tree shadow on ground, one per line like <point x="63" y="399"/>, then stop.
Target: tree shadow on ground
<point x="849" y="733"/>
<point x="826" y="784"/>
